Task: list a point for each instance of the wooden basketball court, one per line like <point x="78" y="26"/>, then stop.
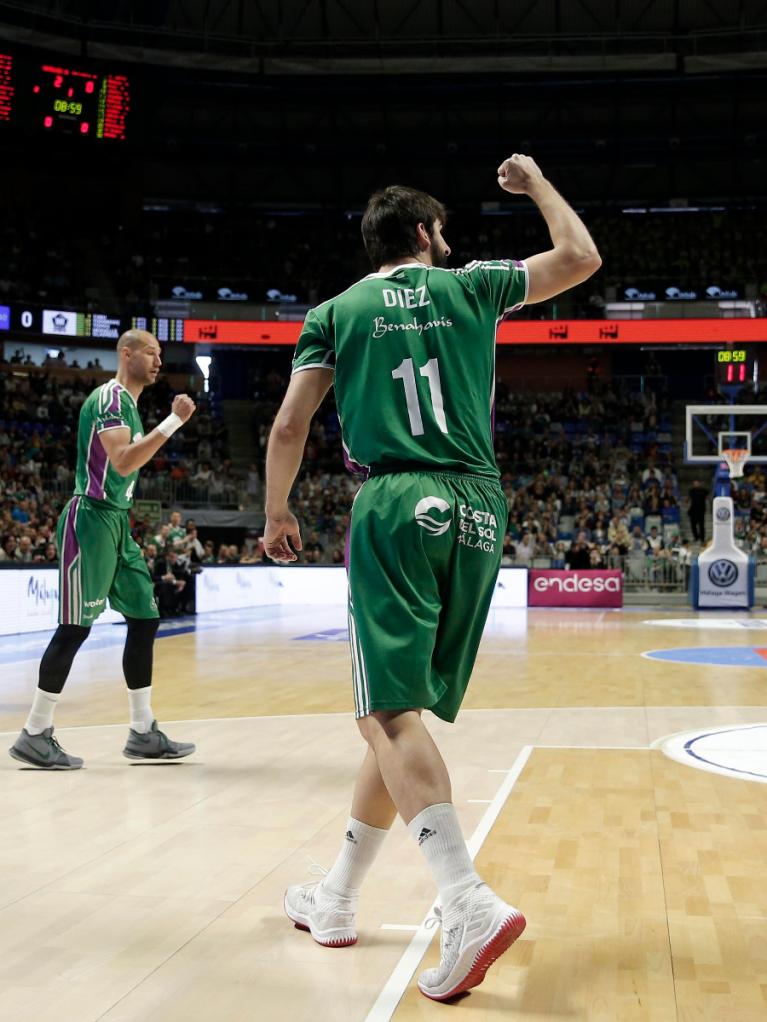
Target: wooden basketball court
<point x="131" y="892"/>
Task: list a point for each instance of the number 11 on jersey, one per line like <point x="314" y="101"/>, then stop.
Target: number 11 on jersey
<point x="406" y="372"/>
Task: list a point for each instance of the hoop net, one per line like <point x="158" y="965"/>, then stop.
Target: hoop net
<point x="736" y="458"/>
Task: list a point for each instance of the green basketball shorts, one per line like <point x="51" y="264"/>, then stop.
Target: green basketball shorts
<point x="98" y="558"/>
<point x="424" y="555"/>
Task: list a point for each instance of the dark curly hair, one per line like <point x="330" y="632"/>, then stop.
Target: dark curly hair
<point x="390" y="220"/>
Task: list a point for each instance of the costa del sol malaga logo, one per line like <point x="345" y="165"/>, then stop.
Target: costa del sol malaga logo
<point x="430" y="515"/>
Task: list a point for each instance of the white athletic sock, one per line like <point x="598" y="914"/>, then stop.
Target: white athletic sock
<point x="141" y="716"/>
<point x="41" y="714"/>
<point x="438" y="833"/>
<point x="359" y="849"/>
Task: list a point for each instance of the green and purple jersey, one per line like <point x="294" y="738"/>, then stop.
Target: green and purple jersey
<point x="110" y="406"/>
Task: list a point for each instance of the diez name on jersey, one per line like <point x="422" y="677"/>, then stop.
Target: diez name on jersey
<point x="406" y="297"/>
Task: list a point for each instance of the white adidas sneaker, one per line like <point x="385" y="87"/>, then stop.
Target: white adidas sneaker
<point x="328" y="917"/>
<point x="475" y="933"/>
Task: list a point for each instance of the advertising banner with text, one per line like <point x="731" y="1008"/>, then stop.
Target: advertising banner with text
<point x="29" y="601"/>
<point x="230" y="588"/>
<point x="554" y="588"/>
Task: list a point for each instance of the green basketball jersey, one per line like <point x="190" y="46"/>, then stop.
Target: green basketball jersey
<point x="414" y="356"/>
<point x="108" y="407"/>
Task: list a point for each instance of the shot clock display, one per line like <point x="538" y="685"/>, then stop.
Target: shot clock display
<point x="63" y="98"/>
<point x="735" y="367"/>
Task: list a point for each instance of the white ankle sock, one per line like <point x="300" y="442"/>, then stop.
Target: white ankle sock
<point x="438" y="833"/>
<point x="141" y="716"/>
<point x="41" y="714"/>
<point x="359" y="849"/>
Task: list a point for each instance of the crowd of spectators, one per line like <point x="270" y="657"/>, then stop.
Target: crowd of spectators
<point x="750" y="497"/>
<point x="273" y="257"/>
<point x="174" y="554"/>
<point x="41" y="263"/>
<point x="589" y="476"/>
<point x="39" y="409"/>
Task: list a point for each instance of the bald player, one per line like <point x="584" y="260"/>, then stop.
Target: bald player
<point x="98" y="558"/>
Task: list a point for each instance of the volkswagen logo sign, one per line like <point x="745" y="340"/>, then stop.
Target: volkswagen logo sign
<point x="723" y="515"/>
<point x="723" y="573"/>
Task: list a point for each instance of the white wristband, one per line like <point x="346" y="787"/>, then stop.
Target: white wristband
<point x="169" y="426"/>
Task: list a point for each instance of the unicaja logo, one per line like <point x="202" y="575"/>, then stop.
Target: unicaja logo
<point x="429" y="513"/>
<point x="723" y="573"/>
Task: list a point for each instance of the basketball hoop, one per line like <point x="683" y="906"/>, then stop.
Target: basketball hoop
<point x="736" y="458"/>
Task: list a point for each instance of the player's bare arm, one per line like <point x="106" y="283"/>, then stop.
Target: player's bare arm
<point x="287" y="440"/>
<point x="574" y="257"/>
<point x="126" y="457"/>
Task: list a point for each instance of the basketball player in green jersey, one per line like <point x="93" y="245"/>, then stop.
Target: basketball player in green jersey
<point x="413" y="350"/>
<point x="98" y="558"/>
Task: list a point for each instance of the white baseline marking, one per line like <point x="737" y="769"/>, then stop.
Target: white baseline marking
<point x="597" y="748"/>
<point x="397" y="984"/>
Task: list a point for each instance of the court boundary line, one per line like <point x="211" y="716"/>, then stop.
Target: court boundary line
<point x="686" y="755"/>
<point x="395" y="987"/>
<point x="468" y="710"/>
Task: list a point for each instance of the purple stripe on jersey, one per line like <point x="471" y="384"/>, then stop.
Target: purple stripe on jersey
<point x="517" y="264"/>
<point x="112" y="424"/>
<point x="68" y="554"/>
<point x="353" y="467"/>
<point x="114" y="404"/>
<point x="97" y="468"/>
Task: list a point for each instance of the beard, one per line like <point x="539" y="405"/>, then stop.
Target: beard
<point x="438" y="256"/>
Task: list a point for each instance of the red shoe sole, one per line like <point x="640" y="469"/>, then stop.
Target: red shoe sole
<point x="501" y="941"/>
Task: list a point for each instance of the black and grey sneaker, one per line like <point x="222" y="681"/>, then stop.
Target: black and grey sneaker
<point x="155" y="745"/>
<point x="43" y="751"/>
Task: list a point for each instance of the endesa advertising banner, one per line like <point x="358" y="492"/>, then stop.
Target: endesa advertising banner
<point x="551" y="588"/>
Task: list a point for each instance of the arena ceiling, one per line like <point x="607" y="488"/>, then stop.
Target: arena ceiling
<point x="620" y="100"/>
<point x="400" y="36"/>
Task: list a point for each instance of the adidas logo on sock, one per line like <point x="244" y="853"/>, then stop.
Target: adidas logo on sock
<point x="425" y="835"/>
<point x="351" y="837"/>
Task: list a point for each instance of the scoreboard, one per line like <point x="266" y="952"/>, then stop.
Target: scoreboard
<point x="64" y="98"/>
<point x="97" y="326"/>
<point x="736" y="364"/>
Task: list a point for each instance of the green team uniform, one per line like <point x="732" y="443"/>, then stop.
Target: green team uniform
<point x="175" y="533"/>
<point x="414" y="357"/>
<point x="98" y="557"/>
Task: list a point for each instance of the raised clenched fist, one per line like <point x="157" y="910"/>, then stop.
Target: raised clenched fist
<point x="184" y="407"/>
<point x="519" y="174"/>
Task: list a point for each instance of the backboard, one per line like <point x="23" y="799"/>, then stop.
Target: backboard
<point x="711" y="429"/>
